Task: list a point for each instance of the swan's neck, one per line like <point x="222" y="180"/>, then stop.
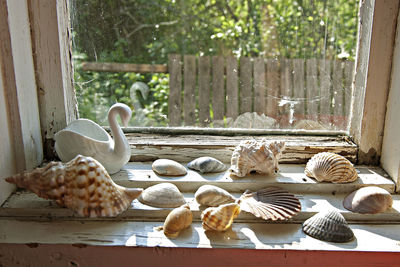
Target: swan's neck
<point x="120" y="141"/>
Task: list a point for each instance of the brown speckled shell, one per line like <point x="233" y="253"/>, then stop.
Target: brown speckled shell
<point x="220" y="218"/>
<point x="82" y="185"/>
<point x="368" y="200"/>
<point x="330" y="167"/>
<point x="177" y="220"/>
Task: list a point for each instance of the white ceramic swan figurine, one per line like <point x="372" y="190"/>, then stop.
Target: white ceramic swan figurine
<point x="87" y="138"/>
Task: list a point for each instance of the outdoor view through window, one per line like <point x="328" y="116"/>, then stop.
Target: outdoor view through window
<point x="261" y="64"/>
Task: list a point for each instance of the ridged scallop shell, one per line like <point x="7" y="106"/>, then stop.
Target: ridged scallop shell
<point x="168" y="167"/>
<point x="210" y="195"/>
<point x="177" y="220"/>
<point x="271" y="203"/>
<point x="206" y="165"/>
<point x="330" y="167"/>
<point x="220" y="218"/>
<point x="82" y="185"/>
<point x="253" y="156"/>
<point x="164" y="195"/>
<point x="328" y="225"/>
<point x="368" y="200"/>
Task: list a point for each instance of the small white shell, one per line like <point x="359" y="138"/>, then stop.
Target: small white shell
<point x="220" y="218"/>
<point x="168" y="167"/>
<point x="177" y="220"/>
<point x="330" y="167"/>
<point x="207" y="164"/>
<point x="164" y="195"/>
<point x="368" y="200"/>
<point x="210" y="195"/>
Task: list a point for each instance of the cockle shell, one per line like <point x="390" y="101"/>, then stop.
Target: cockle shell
<point x="368" y="200"/>
<point x="82" y="185"/>
<point x="206" y="165"/>
<point x="271" y="203"/>
<point x="256" y="156"/>
<point x="330" y="167"/>
<point x="177" y="220"/>
<point x="164" y="195"/>
<point x="220" y="218"/>
<point x="168" y="167"/>
<point x="328" y="225"/>
<point x="211" y="195"/>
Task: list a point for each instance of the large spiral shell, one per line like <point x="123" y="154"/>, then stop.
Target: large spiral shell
<point x="81" y="184"/>
<point x="330" y="167"/>
<point x="220" y="218"/>
<point x="177" y="220"/>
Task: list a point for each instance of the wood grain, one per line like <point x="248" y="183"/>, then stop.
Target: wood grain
<point x="259" y="86"/>
<point x="246" y="85"/>
<point x="204" y="90"/>
<point x="218" y="91"/>
<point x="232" y="87"/>
<point x="175" y="88"/>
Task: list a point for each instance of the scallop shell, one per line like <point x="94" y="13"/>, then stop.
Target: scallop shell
<point x="168" y="167"/>
<point x="271" y="203"/>
<point x="177" y="220"/>
<point x="328" y="225"/>
<point x="164" y="195"/>
<point x="210" y="195"/>
<point x="253" y="156"/>
<point x="220" y="218"/>
<point x="368" y="200"/>
<point x="207" y="164"/>
<point x="330" y="167"/>
<point x="82" y="185"/>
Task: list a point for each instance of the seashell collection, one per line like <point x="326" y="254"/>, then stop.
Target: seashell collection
<point x="177" y="220"/>
<point x="368" y="200"/>
<point x="206" y="165"/>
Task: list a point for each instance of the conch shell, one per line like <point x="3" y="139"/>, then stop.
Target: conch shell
<point x="82" y="185"/>
<point x="253" y="156"/>
<point x="177" y="220"/>
<point x="220" y="218"/>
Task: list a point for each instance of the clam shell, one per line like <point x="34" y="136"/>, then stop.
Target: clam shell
<point x="168" y="167"/>
<point x="207" y="164"/>
<point x="210" y="195"/>
<point x="82" y="185"/>
<point x="220" y="218"/>
<point x="177" y="220"/>
<point x="164" y="195"/>
<point x="271" y="203"/>
<point x="252" y="156"/>
<point x="368" y="200"/>
<point x="328" y="225"/>
<point x="330" y="167"/>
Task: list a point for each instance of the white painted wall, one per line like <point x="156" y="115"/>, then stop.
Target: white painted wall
<point x="390" y="159"/>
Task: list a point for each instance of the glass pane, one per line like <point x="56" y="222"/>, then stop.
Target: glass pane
<point x="271" y="64"/>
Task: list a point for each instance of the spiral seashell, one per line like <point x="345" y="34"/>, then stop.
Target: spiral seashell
<point x="330" y="167"/>
<point x="220" y="218"/>
<point x="211" y="195"/>
<point x="164" y="195"/>
<point x="252" y="156"/>
<point x="206" y="165"/>
<point x="368" y="200"/>
<point x="271" y="203"/>
<point x="328" y="225"/>
<point x="82" y="185"/>
<point x="177" y="220"/>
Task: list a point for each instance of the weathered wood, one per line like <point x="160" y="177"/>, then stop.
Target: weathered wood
<point x="189" y="90"/>
<point x="124" y="67"/>
<point x="232" y="89"/>
<point x="204" y="90"/>
<point x="312" y="90"/>
<point x="175" y="88"/>
<point x="286" y="92"/>
<point x="378" y="20"/>
<point x="273" y="88"/>
<point x="298" y="88"/>
<point x="348" y="80"/>
<point x="325" y="84"/>
<point x="259" y="85"/>
<point x="246" y="85"/>
<point x="338" y="95"/>
<point x="218" y="93"/>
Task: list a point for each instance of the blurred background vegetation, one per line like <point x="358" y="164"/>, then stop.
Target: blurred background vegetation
<point x="147" y="31"/>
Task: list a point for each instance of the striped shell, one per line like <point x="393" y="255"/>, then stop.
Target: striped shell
<point x="206" y="165"/>
<point x="330" y="167"/>
<point x="164" y="195"/>
<point x="82" y="185"/>
<point x="253" y="156"/>
<point x="271" y="203"/>
<point x="177" y="220"/>
<point x="328" y="225"/>
<point x="220" y="218"/>
<point x="368" y="200"/>
<point x="211" y="195"/>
